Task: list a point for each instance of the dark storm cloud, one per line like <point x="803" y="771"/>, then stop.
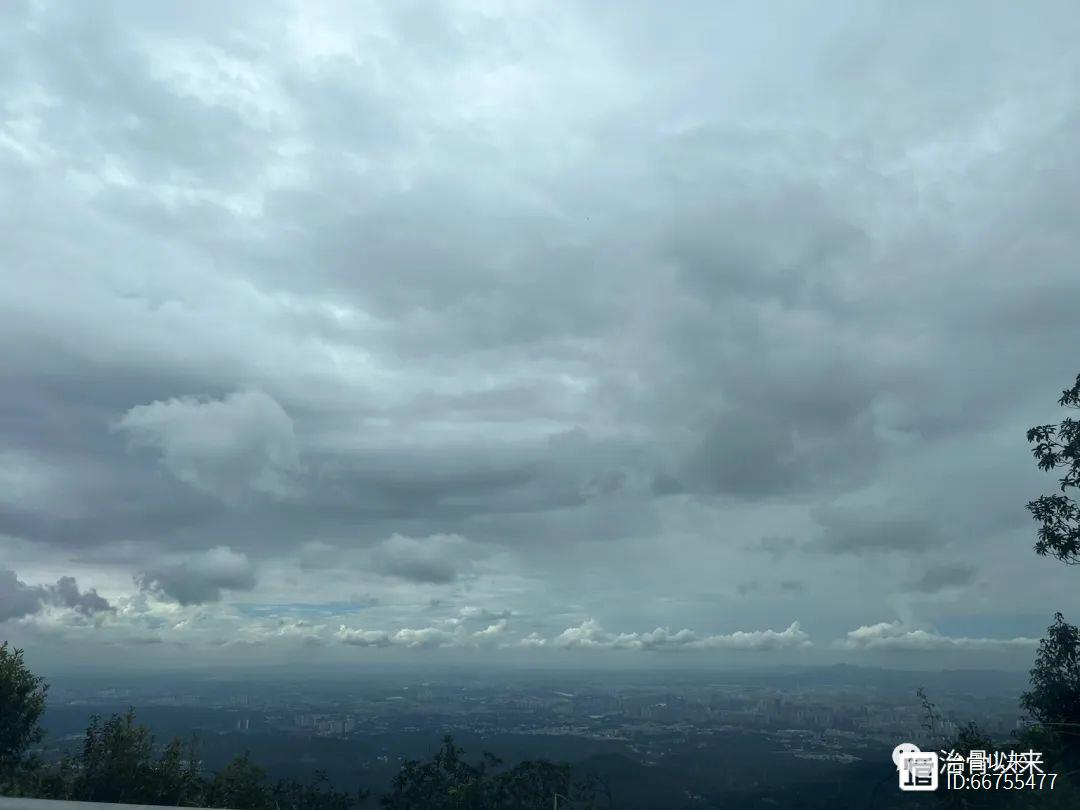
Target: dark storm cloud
<point x="17" y="599"/>
<point x="66" y="593"/>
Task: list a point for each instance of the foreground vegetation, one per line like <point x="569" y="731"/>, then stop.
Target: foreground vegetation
<point x="119" y="762"/>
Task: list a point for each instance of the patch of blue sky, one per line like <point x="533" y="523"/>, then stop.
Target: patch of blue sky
<point x="274" y="610"/>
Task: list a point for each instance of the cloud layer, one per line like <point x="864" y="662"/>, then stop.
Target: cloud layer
<point x="580" y="316"/>
<point x="590" y="635"/>
<point x="895" y="636"/>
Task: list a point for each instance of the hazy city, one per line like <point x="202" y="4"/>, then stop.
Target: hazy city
<point x="694" y="741"/>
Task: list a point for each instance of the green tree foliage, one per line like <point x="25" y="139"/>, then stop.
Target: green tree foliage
<point x="22" y="700"/>
<point x="445" y="781"/>
<point x="289" y="794"/>
<point x="117" y="764"/>
<point x="449" y="782"/>
<point x="968" y="738"/>
<point x="1054" y="697"/>
<point x="1058" y="446"/>
<point x="240" y="784"/>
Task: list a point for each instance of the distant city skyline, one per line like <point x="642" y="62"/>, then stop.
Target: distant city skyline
<point x="698" y="731"/>
<point x="614" y="335"/>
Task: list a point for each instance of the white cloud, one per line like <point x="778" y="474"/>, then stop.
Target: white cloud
<point x="590" y="635"/>
<point x="792" y="636"/>
<point x="411" y="638"/>
<point x="897" y="636"/>
<point x="424" y="637"/>
<point x="492" y="633"/>
<point x="533" y="641"/>
<point x="228" y="448"/>
<point x="299" y="629"/>
<point x="363" y="638"/>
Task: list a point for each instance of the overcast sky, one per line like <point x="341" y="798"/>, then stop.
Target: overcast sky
<point x="598" y="333"/>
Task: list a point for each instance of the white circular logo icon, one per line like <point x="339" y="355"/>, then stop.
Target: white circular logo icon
<point x="902" y="752"/>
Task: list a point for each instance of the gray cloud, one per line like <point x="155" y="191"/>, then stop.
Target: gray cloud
<point x="224" y="447"/>
<point x="439" y="559"/>
<point x="775" y="547"/>
<point x="17" y="599"/>
<point x="945" y="575"/>
<point x="874" y="531"/>
<point x="200" y="578"/>
<point x="66" y="592"/>
<point x="551" y="290"/>
<point x="318" y="556"/>
<point x="746" y="588"/>
<point x="472" y="613"/>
